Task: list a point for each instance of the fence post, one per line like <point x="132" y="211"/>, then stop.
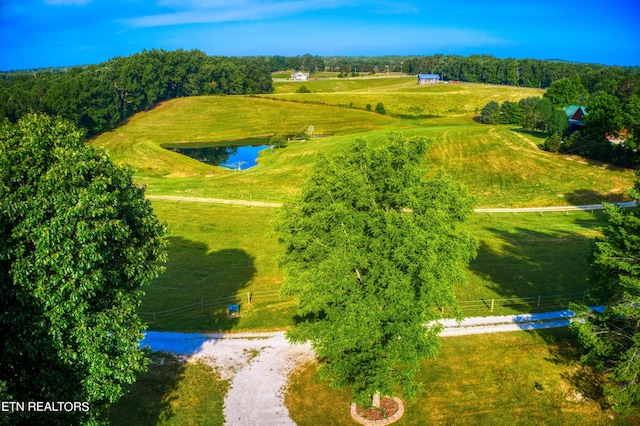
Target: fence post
<point x="539" y="297"/>
<point x="249" y="297"/>
<point x="202" y="305"/>
<point x="492" y="300"/>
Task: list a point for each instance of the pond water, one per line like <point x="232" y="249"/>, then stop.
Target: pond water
<point x="230" y="157"/>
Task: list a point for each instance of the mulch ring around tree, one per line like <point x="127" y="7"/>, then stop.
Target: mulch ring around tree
<point x="390" y="411"/>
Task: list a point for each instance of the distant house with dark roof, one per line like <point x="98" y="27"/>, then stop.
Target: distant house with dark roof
<point x="428" y="78"/>
<point x="575" y="114"/>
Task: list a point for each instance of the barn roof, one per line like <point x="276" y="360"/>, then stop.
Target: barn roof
<point x="429" y="76"/>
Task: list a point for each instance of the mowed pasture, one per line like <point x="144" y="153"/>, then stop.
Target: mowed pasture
<point x="502" y="166"/>
<point x="220" y="254"/>
<point x="220" y="251"/>
<point x="523" y="378"/>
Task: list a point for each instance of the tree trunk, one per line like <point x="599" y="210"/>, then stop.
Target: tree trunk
<point x="375" y="401"/>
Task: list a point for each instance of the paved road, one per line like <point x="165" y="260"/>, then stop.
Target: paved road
<point x="589" y="207"/>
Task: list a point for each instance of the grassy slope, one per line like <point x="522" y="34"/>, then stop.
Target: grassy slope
<point x="501" y="166"/>
<point x="218" y="251"/>
<point x="211" y="119"/>
<point x="498" y="390"/>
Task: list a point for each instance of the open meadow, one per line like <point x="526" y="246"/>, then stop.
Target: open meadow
<point x="221" y="254"/>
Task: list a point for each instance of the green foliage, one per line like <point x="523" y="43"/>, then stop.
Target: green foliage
<point x="612" y="337"/>
<point x="380" y="108"/>
<point x="491" y="113"/>
<point x="557" y="123"/>
<point x="552" y="143"/>
<point x="511" y="113"/>
<point x="301" y="135"/>
<point x="604" y="116"/>
<point x="97" y="97"/>
<point x="79" y="241"/>
<point x="566" y="91"/>
<point x="371" y="250"/>
<point x="278" y="141"/>
<point x="303" y="89"/>
<point x="530" y="114"/>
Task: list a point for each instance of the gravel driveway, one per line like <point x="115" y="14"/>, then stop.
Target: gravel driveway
<point x="258" y="364"/>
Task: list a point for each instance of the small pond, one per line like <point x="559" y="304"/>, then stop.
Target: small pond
<point x="238" y="157"/>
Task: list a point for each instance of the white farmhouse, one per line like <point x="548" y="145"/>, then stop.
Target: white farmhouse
<point x="300" y="76"/>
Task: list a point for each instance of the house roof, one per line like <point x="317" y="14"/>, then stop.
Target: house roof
<point x="572" y="109"/>
<point x="429" y="76"/>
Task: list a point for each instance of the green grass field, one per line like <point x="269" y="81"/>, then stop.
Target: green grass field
<point x="218" y="254"/>
<point x="501" y="166"/>
<point x="479" y="380"/>
<point x="172" y="393"/>
<point x="221" y="254"/>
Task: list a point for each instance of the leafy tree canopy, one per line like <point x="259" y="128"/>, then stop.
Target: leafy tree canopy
<point x="490" y="113"/>
<point x="566" y="91"/>
<point x="79" y="241"/>
<point x="372" y="252"/>
<point x="604" y="116"/>
<point x="612" y="337"/>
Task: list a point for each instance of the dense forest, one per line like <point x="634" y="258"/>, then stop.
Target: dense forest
<point x="98" y="97"/>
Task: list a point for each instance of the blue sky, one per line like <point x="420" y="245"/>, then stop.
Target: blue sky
<point x="41" y="33"/>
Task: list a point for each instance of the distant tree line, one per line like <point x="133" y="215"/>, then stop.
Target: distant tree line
<point x="97" y="97"/>
<point x="473" y="69"/>
<point x="612" y="114"/>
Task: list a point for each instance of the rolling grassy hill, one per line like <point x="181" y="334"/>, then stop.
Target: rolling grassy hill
<point x="219" y="254"/>
<point x="502" y="166"/>
<point x="221" y="251"/>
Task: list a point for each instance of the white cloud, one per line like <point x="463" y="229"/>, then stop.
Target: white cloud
<point x="213" y="11"/>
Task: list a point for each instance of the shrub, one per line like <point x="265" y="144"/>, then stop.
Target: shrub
<point x="552" y="143"/>
<point x="278" y="141"/>
<point x="380" y="108"/>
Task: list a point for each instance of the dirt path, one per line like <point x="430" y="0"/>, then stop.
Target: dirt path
<point x="590" y="207"/>
<point x="258" y="364"/>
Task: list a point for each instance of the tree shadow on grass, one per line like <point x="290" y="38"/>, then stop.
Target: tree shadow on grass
<point x="565" y="349"/>
<point x="528" y="267"/>
<point x="150" y="397"/>
<point x="589" y="196"/>
<point x="194" y="292"/>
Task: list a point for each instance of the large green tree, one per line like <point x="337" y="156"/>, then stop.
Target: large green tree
<point x="567" y="91"/>
<point x="372" y="251"/>
<point x="490" y="113"/>
<point x="78" y="243"/>
<point x="612" y="337"/>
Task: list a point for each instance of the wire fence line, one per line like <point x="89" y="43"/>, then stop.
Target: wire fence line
<point x="215" y="304"/>
<point x="542" y="302"/>
<point x="468" y="307"/>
